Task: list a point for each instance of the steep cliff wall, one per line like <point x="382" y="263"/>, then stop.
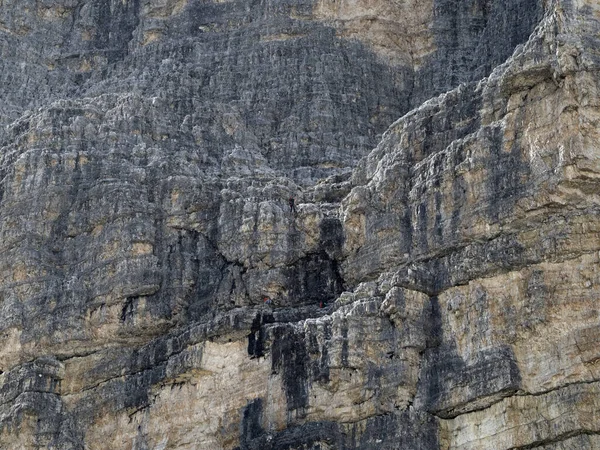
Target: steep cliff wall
<point x="437" y="292"/>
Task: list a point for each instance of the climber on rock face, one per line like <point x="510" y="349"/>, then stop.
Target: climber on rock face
<point x="292" y="203"/>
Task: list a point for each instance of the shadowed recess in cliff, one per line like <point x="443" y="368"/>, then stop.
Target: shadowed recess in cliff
<point x="314" y="279"/>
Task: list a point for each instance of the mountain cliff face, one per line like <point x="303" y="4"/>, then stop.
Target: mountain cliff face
<point x="434" y="287"/>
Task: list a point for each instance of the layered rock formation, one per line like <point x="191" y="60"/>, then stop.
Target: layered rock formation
<point x="437" y="292"/>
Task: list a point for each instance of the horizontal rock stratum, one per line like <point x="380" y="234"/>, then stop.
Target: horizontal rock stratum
<point x="299" y="224"/>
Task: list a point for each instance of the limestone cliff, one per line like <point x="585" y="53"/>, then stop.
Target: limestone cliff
<point x="434" y="287"/>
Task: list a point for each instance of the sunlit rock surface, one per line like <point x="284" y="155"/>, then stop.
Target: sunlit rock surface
<point x="433" y="286"/>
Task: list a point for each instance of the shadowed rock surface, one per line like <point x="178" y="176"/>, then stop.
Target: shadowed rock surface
<point x="435" y="285"/>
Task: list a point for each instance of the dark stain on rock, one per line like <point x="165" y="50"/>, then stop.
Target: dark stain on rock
<point x="116" y="22"/>
<point x="504" y="185"/>
<point x="309" y="436"/>
<point x="251" y="427"/>
<point x="289" y="358"/>
<point x="407" y="430"/>
<point x="471" y="39"/>
<point x="257" y="335"/>
<point x="449" y="386"/>
<point x="318" y="353"/>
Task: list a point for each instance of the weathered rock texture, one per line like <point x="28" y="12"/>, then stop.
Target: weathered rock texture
<point x="437" y="292"/>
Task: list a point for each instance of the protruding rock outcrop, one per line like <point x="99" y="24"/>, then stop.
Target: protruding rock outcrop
<point x="158" y="289"/>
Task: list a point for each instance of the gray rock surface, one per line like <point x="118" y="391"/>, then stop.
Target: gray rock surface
<point x="437" y="292"/>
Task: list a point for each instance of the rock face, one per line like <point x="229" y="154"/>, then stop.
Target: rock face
<point x="433" y="286"/>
